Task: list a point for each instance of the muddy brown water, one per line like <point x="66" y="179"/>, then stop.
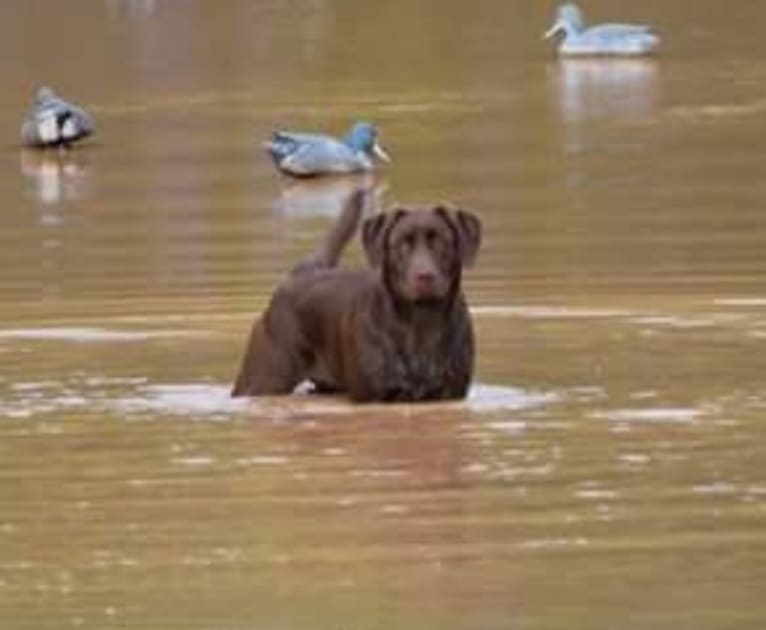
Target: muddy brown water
<point x="606" y="472"/>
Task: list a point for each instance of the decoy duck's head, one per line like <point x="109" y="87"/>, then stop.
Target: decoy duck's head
<point x="44" y="94"/>
<point x="569" y="20"/>
<point x="364" y="137"/>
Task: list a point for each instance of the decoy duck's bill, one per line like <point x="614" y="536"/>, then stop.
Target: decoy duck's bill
<point x="553" y="30"/>
<point x="380" y="152"/>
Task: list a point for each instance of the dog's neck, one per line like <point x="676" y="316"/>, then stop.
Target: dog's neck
<point x="421" y="319"/>
<point x="423" y="313"/>
<point x="420" y="341"/>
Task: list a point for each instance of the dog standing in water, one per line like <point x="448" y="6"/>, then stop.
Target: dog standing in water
<point x="399" y="331"/>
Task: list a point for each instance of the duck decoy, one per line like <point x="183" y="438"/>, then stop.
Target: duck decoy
<point x="53" y="122"/>
<point x="601" y="39"/>
<point x="309" y="154"/>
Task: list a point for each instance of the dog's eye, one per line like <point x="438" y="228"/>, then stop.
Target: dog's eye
<point x="431" y="236"/>
<point x="409" y="240"/>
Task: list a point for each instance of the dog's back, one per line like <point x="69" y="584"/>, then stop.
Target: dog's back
<point x="269" y="368"/>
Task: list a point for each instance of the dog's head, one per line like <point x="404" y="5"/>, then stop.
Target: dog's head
<point x="421" y="252"/>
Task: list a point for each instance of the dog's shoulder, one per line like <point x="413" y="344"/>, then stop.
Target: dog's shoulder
<point x="331" y="289"/>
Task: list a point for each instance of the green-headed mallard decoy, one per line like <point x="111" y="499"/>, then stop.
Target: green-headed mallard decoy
<point x="308" y="154"/>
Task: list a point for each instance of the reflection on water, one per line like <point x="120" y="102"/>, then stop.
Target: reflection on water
<point x="56" y="176"/>
<point x="593" y="92"/>
<point x="326" y="197"/>
<point x="132" y="8"/>
<point x="598" y="89"/>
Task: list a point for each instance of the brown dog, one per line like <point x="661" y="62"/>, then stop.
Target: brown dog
<point x="397" y="332"/>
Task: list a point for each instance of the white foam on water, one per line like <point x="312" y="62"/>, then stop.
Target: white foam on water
<point x="485" y="398"/>
<point x="547" y="312"/>
<point x="481" y="399"/>
<point x="263" y="460"/>
<point x="743" y="302"/>
<point x="138" y="397"/>
<point x="394" y="508"/>
<point x="91" y="335"/>
<point x="679" y="415"/>
<point x="182" y="399"/>
<point x="596" y="494"/>
<point x="634" y="459"/>
<point x="715" y="488"/>
<point x="513" y="427"/>
<point x="675" y="321"/>
<point x="697" y="113"/>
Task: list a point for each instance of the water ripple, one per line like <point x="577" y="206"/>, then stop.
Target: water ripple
<point x="92" y="335"/>
<point x="137" y="397"/>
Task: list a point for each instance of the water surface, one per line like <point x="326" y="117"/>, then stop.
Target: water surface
<point x="606" y="471"/>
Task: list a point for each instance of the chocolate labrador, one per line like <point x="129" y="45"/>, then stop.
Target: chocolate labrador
<point x="399" y="331"/>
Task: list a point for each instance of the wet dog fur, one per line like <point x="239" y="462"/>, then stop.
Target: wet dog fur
<point x="398" y="331"/>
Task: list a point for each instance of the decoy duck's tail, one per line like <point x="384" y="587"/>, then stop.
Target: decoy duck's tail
<point x="280" y="145"/>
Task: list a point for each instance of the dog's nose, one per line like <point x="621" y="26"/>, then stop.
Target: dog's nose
<point x="425" y="279"/>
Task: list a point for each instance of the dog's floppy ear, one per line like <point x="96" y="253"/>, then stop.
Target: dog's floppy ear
<point x="374" y="231"/>
<point x="467" y="227"/>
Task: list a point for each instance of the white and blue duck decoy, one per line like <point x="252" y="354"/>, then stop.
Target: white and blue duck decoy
<point x="53" y="122"/>
<point x="308" y="154"/>
<point x="602" y="39"/>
